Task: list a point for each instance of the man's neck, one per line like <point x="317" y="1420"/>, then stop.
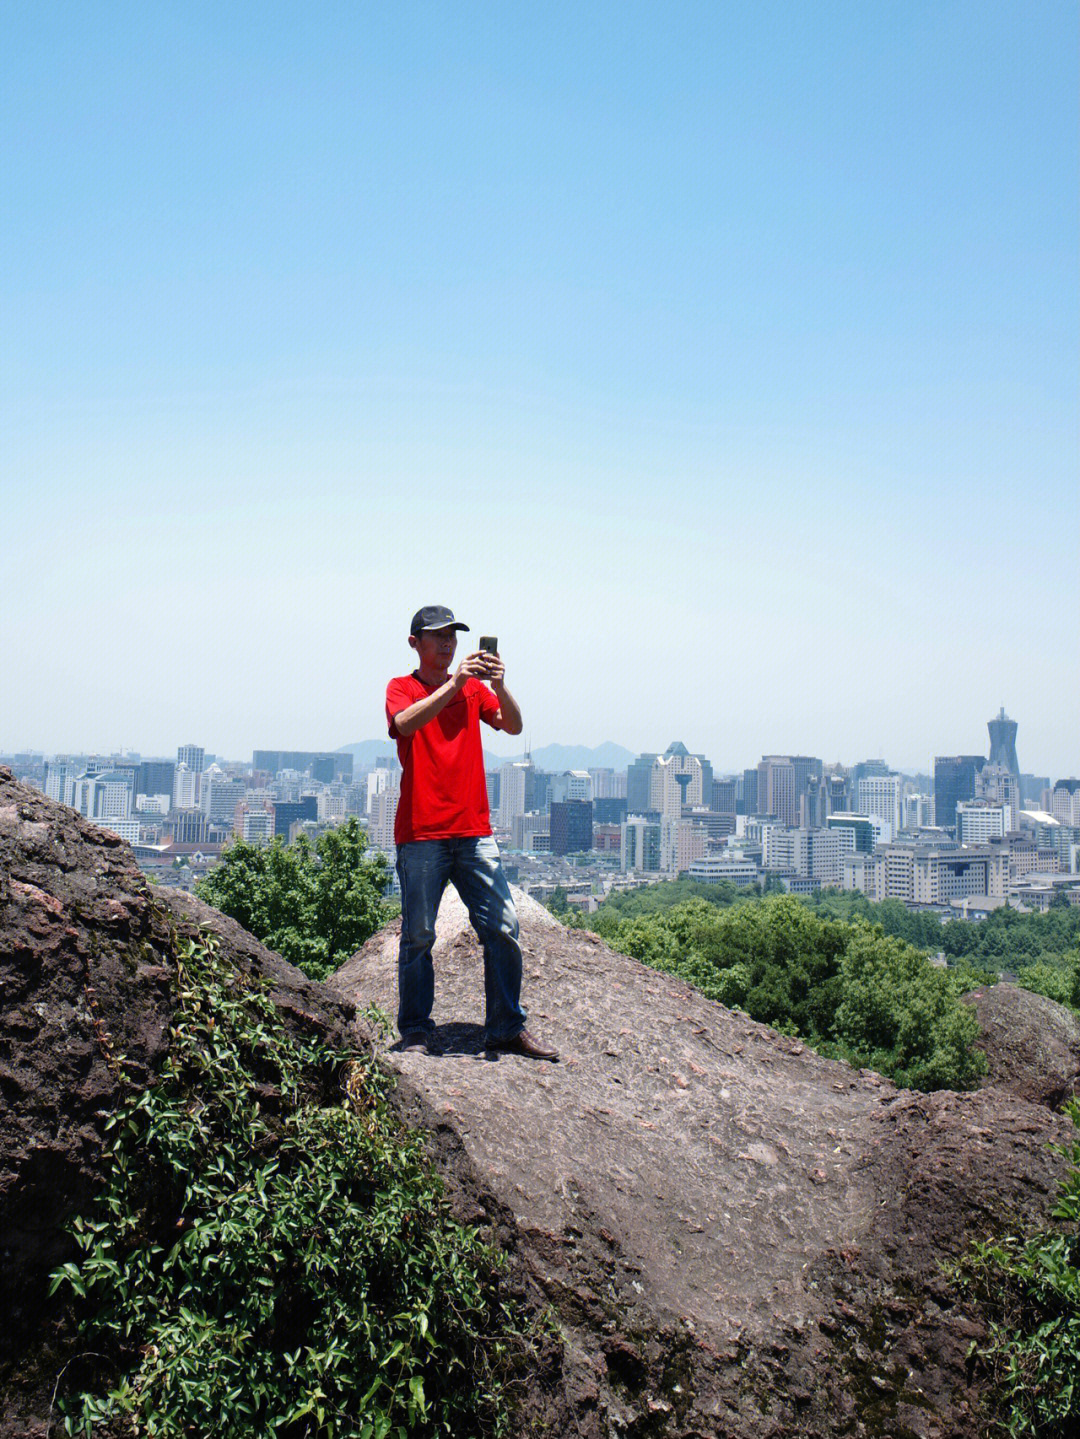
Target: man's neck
<point x="432" y="677"/>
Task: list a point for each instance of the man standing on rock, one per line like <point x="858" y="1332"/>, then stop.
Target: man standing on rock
<point x="443" y="830"/>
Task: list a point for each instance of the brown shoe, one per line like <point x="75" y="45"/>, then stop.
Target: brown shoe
<point x="523" y="1043"/>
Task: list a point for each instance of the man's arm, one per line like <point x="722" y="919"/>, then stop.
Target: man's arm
<point x="509" y="716"/>
<point x="414" y="716"/>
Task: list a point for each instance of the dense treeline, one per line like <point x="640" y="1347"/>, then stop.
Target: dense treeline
<point x="1006" y="937"/>
<point x="1042" y="951"/>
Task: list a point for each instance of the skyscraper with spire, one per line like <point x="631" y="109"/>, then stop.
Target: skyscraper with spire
<point x="1003" y="743"/>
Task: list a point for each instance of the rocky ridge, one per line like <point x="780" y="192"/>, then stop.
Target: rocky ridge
<point x="735" y="1236"/>
<point x="740" y="1237"/>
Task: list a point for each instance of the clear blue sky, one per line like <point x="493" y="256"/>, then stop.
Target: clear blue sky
<point x="720" y="358"/>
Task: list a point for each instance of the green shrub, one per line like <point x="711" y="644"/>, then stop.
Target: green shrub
<point x="315" y="905"/>
<point x="1032" y="1289"/>
<point x="272" y="1255"/>
<point x="1059" y="981"/>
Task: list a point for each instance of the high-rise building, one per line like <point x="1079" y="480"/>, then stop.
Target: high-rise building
<point x="776" y="794"/>
<point x="837" y="792"/>
<point x="862" y="828"/>
<point x="678" y="751"/>
<point x="155" y="777"/>
<point x="192" y="755"/>
<point x="865" y="769"/>
<point x="882" y="795"/>
<point x="220" y="797"/>
<point x="605" y="783"/>
<point x="682" y="841"/>
<point x="254" y="822"/>
<point x="1003" y="743"/>
<point x="571" y="784"/>
<point x="610" y="810"/>
<point x="920" y="874"/>
<point x="638" y="782"/>
<point x="185" y="793"/>
<point x="639" y="845"/>
<point x="724" y="796"/>
<point x="1065" y="801"/>
<point x="287" y="814"/>
<point x="188" y="826"/>
<point x="104" y="795"/>
<point x="917" y="811"/>
<point x="381" y="820"/>
<point x="60" y="776"/>
<point x="531" y="832"/>
<point x="749" y="792"/>
<point x="571" y="826"/>
<point x="954" y="780"/>
<point x="996" y="785"/>
<point x="677" y="780"/>
<point x="537" y="789"/>
<point x="512" y="783"/>
<point x="815" y="854"/>
<point x="789" y="788"/>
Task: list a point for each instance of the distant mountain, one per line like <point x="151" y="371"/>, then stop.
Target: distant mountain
<point x="557" y="757"/>
<point x="552" y="757"/>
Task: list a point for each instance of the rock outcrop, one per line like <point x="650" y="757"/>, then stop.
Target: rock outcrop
<point x="737" y="1237"/>
<point x="1032" y="1045"/>
<point x="84" y="982"/>
<point x="740" y="1237"/>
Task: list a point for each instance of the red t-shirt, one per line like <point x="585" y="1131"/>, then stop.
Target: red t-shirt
<point x="443" y="787"/>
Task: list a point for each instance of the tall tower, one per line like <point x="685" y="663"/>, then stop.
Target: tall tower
<point x="1003" y="743"/>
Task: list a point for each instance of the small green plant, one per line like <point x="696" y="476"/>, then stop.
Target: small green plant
<point x="1031" y="1288"/>
<point x="271" y="1253"/>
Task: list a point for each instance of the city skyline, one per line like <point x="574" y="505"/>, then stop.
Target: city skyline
<point x="722" y="361"/>
<point x="367" y="752"/>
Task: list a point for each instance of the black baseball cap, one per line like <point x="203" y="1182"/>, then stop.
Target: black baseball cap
<point x="434" y="617"/>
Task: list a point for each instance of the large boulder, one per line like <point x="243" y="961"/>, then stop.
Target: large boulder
<point x="739" y="1237"/>
<point x="1032" y="1044"/>
<point x="85" y="1007"/>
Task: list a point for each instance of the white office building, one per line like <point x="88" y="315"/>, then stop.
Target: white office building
<point x="571" y="784"/>
<point x="978" y="822"/>
<point x="512" y="792"/>
<point x="59" y="779"/>
<point x="715" y="867"/>
<point x="882" y="795"/>
<point x="185" y="793"/>
<point x="381" y="820"/>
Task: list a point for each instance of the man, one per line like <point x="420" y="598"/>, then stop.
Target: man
<point x="443" y="831"/>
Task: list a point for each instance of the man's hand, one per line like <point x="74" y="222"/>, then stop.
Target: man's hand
<point x="475" y="665"/>
<point x="509" y="716"/>
<point x="495" y="673"/>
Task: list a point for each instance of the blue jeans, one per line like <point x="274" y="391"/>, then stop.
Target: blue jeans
<point x="472" y="866"/>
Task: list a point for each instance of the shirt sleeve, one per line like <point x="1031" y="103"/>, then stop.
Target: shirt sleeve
<point x="489" y="705"/>
<point x="398" y="698"/>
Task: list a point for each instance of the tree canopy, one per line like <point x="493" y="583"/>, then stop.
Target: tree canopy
<point x="315" y="904"/>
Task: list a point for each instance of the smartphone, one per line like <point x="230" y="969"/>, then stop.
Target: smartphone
<point x="489" y="645"/>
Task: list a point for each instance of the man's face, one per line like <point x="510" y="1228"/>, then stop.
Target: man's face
<point x="436" y="648"/>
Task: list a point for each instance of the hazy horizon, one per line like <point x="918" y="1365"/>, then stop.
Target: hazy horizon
<point x="723" y="361"/>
